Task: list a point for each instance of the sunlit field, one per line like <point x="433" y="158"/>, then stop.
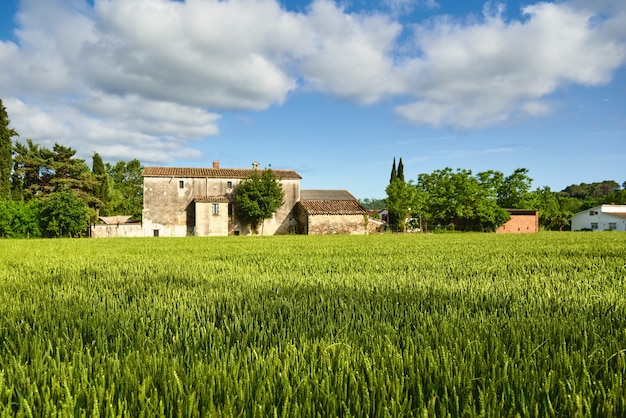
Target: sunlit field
<point x="380" y="325"/>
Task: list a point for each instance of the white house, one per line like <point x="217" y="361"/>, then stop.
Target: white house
<point x="601" y="218"/>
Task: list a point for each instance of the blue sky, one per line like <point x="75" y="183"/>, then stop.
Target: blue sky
<point x="334" y="90"/>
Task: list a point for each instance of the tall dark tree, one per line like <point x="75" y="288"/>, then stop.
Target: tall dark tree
<point x="6" y="149"/>
<point x="39" y="171"/>
<point x="258" y="197"/>
<point x="101" y="187"/>
<point x="400" y="170"/>
<point x="394" y="174"/>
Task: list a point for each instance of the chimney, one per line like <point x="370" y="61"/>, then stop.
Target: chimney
<point x="216" y="164"/>
<point x="255" y="165"/>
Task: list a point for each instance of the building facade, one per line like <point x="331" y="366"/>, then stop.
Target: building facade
<point x="522" y="221"/>
<point x="601" y="218"/>
<point x="199" y="201"/>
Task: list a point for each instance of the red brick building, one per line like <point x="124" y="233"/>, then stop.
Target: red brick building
<point x="522" y="221"/>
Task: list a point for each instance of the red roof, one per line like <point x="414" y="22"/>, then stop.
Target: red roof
<point x="220" y="173"/>
<point x="330" y="202"/>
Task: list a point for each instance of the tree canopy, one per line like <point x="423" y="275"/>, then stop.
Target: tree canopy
<point x="258" y="197"/>
<point x="6" y="157"/>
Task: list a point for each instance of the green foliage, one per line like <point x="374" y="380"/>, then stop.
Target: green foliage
<point x="455" y="325"/>
<point x="597" y="190"/>
<point x="19" y="219"/>
<point x="402" y="200"/>
<point x="64" y="214"/>
<point x="461" y="199"/>
<point x="258" y="197"/>
<point x="124" y="189"/>
<point x="101" y="189"/>
<point x="6" y="159"/>
<point x="373" y="203"/>
<point x="400" y="170"/>
<point x="514" y="191"/>
<point x="39" y="171"/>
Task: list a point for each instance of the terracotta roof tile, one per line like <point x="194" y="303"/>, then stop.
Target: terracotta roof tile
<point x="223" y="173"/>
<point x="325" y="194"/>
<point x="332" y="207"/>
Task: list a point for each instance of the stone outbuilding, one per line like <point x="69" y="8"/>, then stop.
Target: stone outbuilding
<point x="325" y="212"/>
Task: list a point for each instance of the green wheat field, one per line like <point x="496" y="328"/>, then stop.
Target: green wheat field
<point x="380" y="325"/>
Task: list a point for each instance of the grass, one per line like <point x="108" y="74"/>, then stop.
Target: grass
<point x="381" y="325"/>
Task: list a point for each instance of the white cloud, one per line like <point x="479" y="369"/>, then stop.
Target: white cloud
<point x="114" y="139"/>
<point x="153" y="75"/>
<point x="480" y="73"/>
<point x="351" y="58"/>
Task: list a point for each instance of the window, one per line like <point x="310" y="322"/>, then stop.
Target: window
<point x="612" y="226"/>
<point x="229" y="184"/>
<point x="181" y="184"/>
<point x="216" y="209"/>
<point x="594" y="225"/>
<point x="155" y="233"/>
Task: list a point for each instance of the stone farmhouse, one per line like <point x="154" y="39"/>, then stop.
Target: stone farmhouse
<point x="199" y="202"/>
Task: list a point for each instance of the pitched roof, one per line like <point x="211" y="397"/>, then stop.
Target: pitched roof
<point x="330" y="202"/>
<point x="115" y="220"/>
<point x="222" y="173"/>
<point x="317" y="194"/>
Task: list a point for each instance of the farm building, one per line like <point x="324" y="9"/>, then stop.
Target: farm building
<point x="199" y="201"/>
<point x="601" y="218"/>
<point x="325" y="212"/>
<point x="522" y="221"/>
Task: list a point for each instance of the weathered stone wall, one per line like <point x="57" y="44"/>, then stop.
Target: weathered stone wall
<point x="113" y="231"/>
<point x="208" y="224"/>
<point x="170" y="209"/>
<point x="519" y="224"/>
<point x="336" y="224"/>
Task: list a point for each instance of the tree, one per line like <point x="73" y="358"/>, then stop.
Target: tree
<point x="459" y="200"/>
<point x="402" y="200"/>
<point x="514" y="190"/>
<point x="39" y="171"/>
<point x="125" y="189"/>
<point x="400" y="170"/>
<point x="6" y="159"/>
<point x="373" y="203"/>
<point x="101" y="187"/>
<point x="394" y="174"/>
<point x="19" y="219"/>
<point x="64" y="214"/>
<point x="554" y="212"/>
<point x="258" y="197"/>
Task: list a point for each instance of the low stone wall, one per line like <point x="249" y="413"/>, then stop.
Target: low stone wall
<point x="336" y="224"/>
<point x="114" y="231"/>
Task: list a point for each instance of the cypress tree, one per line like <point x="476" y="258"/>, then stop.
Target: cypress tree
<point x="400" y="170"/>
<point x="393" y="171"/>
<point x="101" y="189"/>
<point x="6" y="159"/>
